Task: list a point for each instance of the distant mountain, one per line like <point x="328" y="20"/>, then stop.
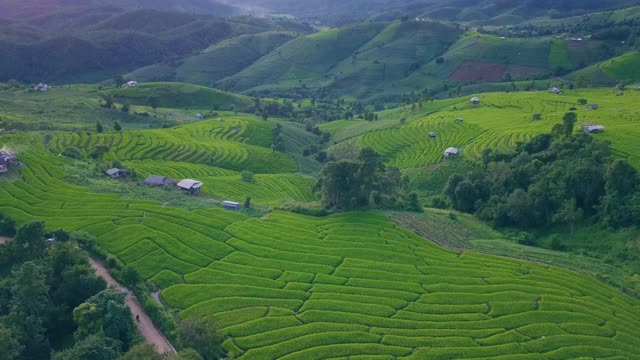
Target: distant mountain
<point x="347" y="11"/>
<point x="75" y="43"/>
<point x="33" y="8"/>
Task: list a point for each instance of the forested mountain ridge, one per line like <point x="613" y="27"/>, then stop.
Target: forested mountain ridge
<point x="29" y="8"/>
<point x="90" y="44"/>
<point x="337" y="12"/>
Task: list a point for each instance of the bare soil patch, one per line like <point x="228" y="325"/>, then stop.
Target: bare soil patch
<point x="145" y="326"/>
<point x="479" y="71"/>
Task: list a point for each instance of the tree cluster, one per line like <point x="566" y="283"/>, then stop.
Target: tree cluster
<point x="365" y="183"/>
<point x="38" y="296"/>
<point x="54" y="306"/>
<point x="278" y="140"/>
<point x="559" y="178"/>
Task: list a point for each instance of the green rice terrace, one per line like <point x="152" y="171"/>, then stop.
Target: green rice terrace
<point x="230" y="142"/>
<point x="353" y="285"/>
<point x="319" y="180"/>
<point x="499" y="122"/>
<point x="213" y="151"/>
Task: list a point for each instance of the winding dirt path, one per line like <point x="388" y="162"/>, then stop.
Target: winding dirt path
<point x="145" y="326"/>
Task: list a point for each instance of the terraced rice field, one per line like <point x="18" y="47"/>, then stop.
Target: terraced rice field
<point x="266" y="189"/>
<point x="350" y="286"/>
<point x="500" y="122"/>
<point x="235" y="143"/>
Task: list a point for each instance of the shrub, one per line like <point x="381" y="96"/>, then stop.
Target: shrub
<point x="439" y="202"/>
<point x="7" y="226"/>
<point x="247" y="176"/>
<point x="72" y="152"/>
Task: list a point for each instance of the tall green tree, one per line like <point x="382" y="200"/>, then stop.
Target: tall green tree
<point x="569" y="214"/>
<point x="142" y="351"/>
<point x="202" y="336"/>
<point x="338" y="184"/>
<point x="93" y="347"/>
<point x="108" y="313"/>
<point x="108" y="100"/>
<point x="30" y="241"/>
<point x="30" y="310"/>
<point x="10" y="347"/>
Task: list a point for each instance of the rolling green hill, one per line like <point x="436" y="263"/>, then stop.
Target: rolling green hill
<point x="355" y="61"/>
<point x="479" y="58"/>
<point x="177" y="95"/>
<point x="611" y="72"/>
<point x="395" y="53"/>
<point x="306" y="59"/>
<point x="218" y="61"/>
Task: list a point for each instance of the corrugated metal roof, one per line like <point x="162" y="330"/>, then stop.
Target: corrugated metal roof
<point x="189" y="184"/>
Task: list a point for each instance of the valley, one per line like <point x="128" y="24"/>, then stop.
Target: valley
<point x="412" y="180"/>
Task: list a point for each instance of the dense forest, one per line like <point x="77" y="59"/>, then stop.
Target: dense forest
<point x="558" y="178"/>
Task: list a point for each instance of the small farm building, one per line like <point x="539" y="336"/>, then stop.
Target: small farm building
<point x="555" y="90"/>
<point x="200" y="116"/>
<point x="593" y="107"/>
<point x="190" y="185"/>
<point x="593" y="129"/>
<point x="156" y="180"/>
<point x="230" y="205"/>
<point x="451" y="151"/>
<point x="432" y="134"/>
<point x="130" y="84"/>
<point x="42" y="87"/>
<point x="459" y="120"/>
<point x="7" y="156"/>
<point x="116" y="173"/>
<point x="475" y="100"/>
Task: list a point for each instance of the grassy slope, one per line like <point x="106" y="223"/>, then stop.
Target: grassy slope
<point x="68" y="108"/>
<point x="297" y="287"/>
<point x="305" y="59"/>
<point x="395" y="53"/>
<point x="520" y="58"/>
<point x="620" y="69"/>
<point x="229" y="57"/>
<point x="625" y="67"/>
<point x="465" y="232"/>
<point x="178" y="95"/>
<point x="376" y="61"/>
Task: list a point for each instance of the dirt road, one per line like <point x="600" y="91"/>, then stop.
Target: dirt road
<point x="145" y="326"/>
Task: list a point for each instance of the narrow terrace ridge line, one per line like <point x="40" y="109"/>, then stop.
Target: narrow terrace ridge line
<point x="147" y="329"/>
